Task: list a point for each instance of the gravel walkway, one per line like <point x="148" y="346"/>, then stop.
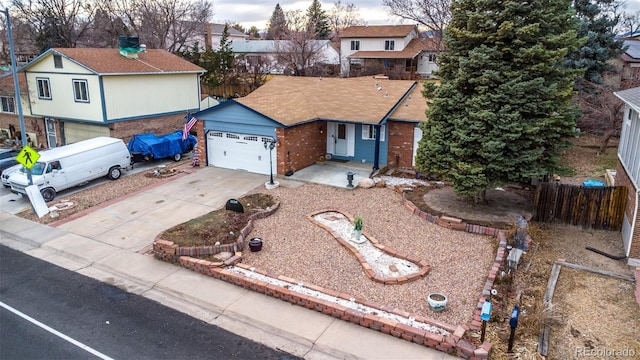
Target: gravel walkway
<point x="295" y="247"/>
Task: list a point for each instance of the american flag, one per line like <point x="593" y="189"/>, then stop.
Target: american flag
<point x="187" y="127"/>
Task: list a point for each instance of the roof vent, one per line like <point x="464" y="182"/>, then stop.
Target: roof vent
<point x="129" y="46"/>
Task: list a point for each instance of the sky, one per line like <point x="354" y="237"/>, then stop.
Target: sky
<point x="257" y="13"/>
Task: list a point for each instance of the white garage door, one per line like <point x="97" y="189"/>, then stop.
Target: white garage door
<point x="74" y="132"/>
<point x="239" y="152"/>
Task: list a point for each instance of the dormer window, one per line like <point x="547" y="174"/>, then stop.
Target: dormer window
<point x="389" y="45"/>
<point x="57" y="61"/>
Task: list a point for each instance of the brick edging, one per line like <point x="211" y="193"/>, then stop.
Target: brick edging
<point x="457" y="224"/>
<point x="453" y="343"/>
<point x="368" y="270"/>
<point x="174" y="252"/>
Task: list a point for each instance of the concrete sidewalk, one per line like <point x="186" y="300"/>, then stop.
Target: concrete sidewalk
<point x="112" y="245"/>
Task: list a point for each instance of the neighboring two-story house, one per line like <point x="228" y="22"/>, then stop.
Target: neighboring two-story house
<point x="83" y="92"/>
<point x="213" y="33"/>
<point x="9" y="120"/>
<point x="389" y="47"/>
<point x="628" y="172"/>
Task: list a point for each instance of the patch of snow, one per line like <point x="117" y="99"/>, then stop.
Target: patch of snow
<point x="394" y="180"/>
<point x="377" y="259"/>
<point x="351" y="303"/>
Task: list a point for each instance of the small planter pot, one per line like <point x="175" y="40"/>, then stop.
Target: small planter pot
<point x="255" y="244"/>
<point x="437" y="301"/>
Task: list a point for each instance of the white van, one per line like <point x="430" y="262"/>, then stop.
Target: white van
<point x="71" y="165"/>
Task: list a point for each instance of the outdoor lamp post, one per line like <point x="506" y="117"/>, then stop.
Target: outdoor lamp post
<point x="270" y="145"/>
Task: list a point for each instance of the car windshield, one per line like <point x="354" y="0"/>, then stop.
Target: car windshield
<point x="36" y="169"/>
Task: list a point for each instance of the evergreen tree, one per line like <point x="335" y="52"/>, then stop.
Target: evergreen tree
<point x="223" y="61"/>
<point x="317" y="20"/>
<point x="277" y="26"/>
<point x="597" y="25"/>
<point x="503" y="110"/>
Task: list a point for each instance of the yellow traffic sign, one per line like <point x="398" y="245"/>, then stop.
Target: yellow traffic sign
<point x="27" y="157"/>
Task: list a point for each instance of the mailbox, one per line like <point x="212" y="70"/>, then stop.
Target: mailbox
<point x="485" y="315"/>
<point x="513" y="321"/>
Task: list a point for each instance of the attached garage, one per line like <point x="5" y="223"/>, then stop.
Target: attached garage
<point x="74" y="132"/>
<point x="240" y="152"/>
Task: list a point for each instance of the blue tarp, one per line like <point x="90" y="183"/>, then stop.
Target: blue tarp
<point x="163" y="146"/>
<point x="593" y="183"/>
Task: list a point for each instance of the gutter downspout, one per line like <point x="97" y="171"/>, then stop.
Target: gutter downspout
<point x="376" y="161"/>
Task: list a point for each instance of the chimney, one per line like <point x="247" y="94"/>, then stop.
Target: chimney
<point x="129" y="46"/>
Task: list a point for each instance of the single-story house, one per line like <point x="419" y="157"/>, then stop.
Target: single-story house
<point x="628" y="172"/>
<point x="366" y="119"/>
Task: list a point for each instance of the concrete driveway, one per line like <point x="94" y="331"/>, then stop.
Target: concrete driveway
<point x="134" y="222"/>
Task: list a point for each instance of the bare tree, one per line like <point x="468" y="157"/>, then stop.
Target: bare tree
<point x="341" y="16"/>
<point x="299" y="50"/>
<point x="602" y="112"/>
<point x="629" y="23"/>
<point x="254" y="70"/>
<point x="162" y="24"/>
<point x="24" y="47"/>
<point x="55" y="23"/>
<point x="434" y="14"/>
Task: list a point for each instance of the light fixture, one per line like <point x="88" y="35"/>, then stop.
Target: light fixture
<point x="270" y="145"/>
<point x="386" y="94"/>
<point x="379" y="88"/>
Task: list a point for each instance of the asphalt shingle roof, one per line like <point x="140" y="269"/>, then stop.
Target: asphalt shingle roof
<point x="365" y="31"/>
<point x="109" y="61"/>
<point x="292" y="100"/>
<point x="631" y="97"/>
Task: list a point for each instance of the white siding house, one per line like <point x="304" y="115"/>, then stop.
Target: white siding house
<point x="390" y="47"/>
<point x="628" y="172"/>
<point x="89" y="92"/>
<point x="276" y="56"/>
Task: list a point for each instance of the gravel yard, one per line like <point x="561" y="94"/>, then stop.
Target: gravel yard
<point x="295" y="247"/>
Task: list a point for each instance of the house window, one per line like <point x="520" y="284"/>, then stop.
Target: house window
<point x="369" y="132"/>
<point x="355" y="44"/>
<point x="80" y="91"/>
<point x="8" y="104"/>
<point x="389" y="45"/>
<point x="44" y="88"/>
<point x="432" y="58"/>
<point x="57" y="61"/>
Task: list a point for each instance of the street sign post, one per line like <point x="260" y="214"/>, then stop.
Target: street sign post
<point x="27" y="157"/>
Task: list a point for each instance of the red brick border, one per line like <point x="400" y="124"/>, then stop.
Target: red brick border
<point x="422" y="264"/>
<point x="451" y="344"/>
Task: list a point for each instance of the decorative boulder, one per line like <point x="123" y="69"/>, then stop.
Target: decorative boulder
<point x="366" y="183"/>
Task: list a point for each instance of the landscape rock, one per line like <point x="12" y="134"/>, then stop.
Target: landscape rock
<point x="366" y="183"/>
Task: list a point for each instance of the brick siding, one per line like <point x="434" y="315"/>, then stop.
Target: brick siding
<point x="400" y="152"/>
<point x="301" y="146"/>
<point x="31" y="124"/>
<point x="158" y="125"/>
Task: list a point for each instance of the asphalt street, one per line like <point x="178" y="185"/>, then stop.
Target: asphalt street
<point x="50" y="312"/>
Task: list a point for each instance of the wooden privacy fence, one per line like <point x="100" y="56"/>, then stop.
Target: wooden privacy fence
<point x="589" y="207"/>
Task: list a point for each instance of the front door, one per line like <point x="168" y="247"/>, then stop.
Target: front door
<point x="51" y="132"/>
<point x="341" y="139"/>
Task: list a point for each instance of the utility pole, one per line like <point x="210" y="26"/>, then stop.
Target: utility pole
<point x="16" y="85"/>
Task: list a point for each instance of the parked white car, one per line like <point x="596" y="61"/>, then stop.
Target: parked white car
<point x="8" y="172"/>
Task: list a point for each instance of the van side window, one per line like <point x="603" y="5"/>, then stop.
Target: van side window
<point x="54" y="165"/>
